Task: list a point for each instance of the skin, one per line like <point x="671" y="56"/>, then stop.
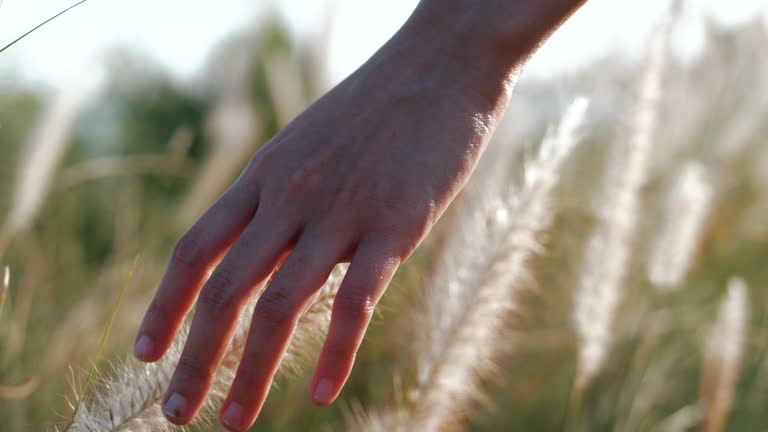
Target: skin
<point x="361" y="176"/>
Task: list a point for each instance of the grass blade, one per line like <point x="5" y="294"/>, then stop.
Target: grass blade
<point x="104" y="336"/>
<point x="18" y="39"/>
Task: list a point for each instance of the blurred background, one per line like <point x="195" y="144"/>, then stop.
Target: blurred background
<point x="120" y="122"/>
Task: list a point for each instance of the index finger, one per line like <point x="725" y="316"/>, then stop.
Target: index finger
<point x="194" y="256"/>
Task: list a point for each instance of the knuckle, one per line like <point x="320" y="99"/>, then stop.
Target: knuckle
<point x="274" y="307"/>
<point x="396" y="243"/>
<point x="422" y="218"/>
<point x="401" y="235"/>
<point x="301" y="183"/>
<point x="254" y="167"/>
<point x="188" y="251"/>
<point x="350" y="193"/>
<point x="218" y="293"/>
<point x="192" y="369"/>
<point x="403" y="244"/>
<point x="298" y="264"/>
<point x="355" y="304"/>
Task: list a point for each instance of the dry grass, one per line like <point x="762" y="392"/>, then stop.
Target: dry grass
<point x="480" y="270"/>
<point x="609" y="250"/>
<point x="723" y="355"/>
<point x="587" y="288"/>
<point x="129" y="398"/>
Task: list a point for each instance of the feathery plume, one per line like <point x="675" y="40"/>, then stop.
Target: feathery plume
<point x="319" y="52"/>
<point x="738" y="134"/>
<point x="474" y="286"/>
<point x="286" y="87"/>
<point x="4" y="288"/>
<point x="686" y="418"/>
<point x="233" y="127"/>
<point x="723" y="354"/>
<point x="129" y="398"/>
<point x="685" y="215"/>
<point x="6" y="280"/>
<point x="46" y="149"/>
<point x="608" y="251"/>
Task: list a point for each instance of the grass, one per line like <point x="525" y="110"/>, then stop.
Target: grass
<point x="94" y="365"/>
<point x="477" y="331"/>
<point x="4" y="288"/>
<point x="37" y="27"/>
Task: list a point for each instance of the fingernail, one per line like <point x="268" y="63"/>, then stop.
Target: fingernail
<point x="143" y="348"/>
<point x="176" y="406"/>
<point x="233" y="414"/>
<point x="323" y="391"/>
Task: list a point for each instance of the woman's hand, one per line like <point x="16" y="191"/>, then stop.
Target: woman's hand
<point x="361" y="176"/>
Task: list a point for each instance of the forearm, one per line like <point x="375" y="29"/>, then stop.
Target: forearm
<point x="505" y="28"/>
<point x="470" y="46"/>
<point x="500" y="34"/>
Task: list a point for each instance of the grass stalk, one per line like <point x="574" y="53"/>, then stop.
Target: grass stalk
<point x="37" y="27"/>
<point x="723" y="354"/>
<point x="104" y="336"/>
<point x="609" y="250"/>
<point x="480" y="273"/>
<point x="686" y="213"/>
<point x="129" y="398"/>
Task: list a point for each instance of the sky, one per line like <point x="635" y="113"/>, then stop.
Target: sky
<point x="180" y="33"/>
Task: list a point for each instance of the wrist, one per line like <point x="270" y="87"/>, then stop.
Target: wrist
<point x="472" y="49"/>
<point x="504" y="32"/>
<point x="444" y="48"/>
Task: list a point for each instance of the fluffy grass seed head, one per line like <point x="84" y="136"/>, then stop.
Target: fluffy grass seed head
<point x="4" y="288"/>
<point x="128" y="398"/>
<point x="723" y="354"/>
<point x="609" y="249"/>
<point x="474" y="286"/>
<point x="6" y="281"/>
<point x="685" y="216"/>
<point x="46" y="150"/>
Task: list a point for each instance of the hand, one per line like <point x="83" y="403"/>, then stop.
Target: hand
<point x="361" y="176"/>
